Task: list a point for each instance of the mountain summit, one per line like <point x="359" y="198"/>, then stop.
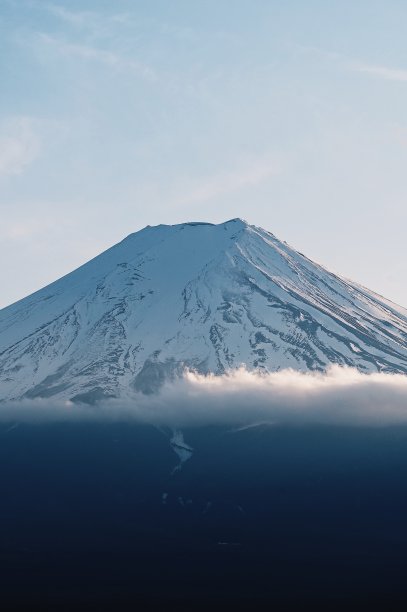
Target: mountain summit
<point x="197" y="295"/>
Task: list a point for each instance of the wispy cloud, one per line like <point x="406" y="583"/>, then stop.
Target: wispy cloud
<point x="77" y="18"/>
<point x="388" y="73"/>
<point x="105" y="57"/>
<point x="28" y="227"/>
<point x="382" y="72"/>
<point x="19" y="145"/>
<point x="249" y="175"/>
<point x="99" y="21"/>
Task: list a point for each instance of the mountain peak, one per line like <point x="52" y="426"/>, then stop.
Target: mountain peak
<point x="199" y="295"/>
<point x="236" y="221"/>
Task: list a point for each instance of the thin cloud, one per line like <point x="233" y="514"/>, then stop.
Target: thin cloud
<point x="387" y="73"/>
<point x="341" y="396"/>
<point x="89" y="19"/>
<point x="382" y="72"/>
<point x="19" y="146"/>
<point x="230" y="182"/>
<point x="107" y="58"/>
<point x="96" y="21"/>
<point x="76" y="18"/>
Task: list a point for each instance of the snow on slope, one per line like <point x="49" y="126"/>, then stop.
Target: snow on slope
<point x="209" y="297"/>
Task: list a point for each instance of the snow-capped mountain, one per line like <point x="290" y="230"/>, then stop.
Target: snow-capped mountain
<point x="197" y="295"/>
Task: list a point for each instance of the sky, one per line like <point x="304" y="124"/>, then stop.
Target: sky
<point x="118" y="114"/>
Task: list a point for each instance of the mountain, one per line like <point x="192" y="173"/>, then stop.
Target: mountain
<point x="198" y="295"/>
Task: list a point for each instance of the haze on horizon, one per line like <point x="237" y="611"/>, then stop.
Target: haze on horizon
<point x="118" y="115"/>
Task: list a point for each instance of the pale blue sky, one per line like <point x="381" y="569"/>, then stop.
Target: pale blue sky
<point x="122" y="113"/>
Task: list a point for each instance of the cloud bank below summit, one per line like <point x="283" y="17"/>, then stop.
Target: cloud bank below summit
<point x="340" y="396"/>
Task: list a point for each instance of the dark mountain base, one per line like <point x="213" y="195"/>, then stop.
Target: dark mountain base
<point x="91" y="518"/>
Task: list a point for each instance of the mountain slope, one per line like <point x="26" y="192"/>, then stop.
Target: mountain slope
<point x="210" y="297"/>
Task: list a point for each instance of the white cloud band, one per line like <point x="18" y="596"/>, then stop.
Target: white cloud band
<point x="341" y="396"/>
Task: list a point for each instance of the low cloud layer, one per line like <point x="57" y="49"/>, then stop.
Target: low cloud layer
<point x="341" y="396"/>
